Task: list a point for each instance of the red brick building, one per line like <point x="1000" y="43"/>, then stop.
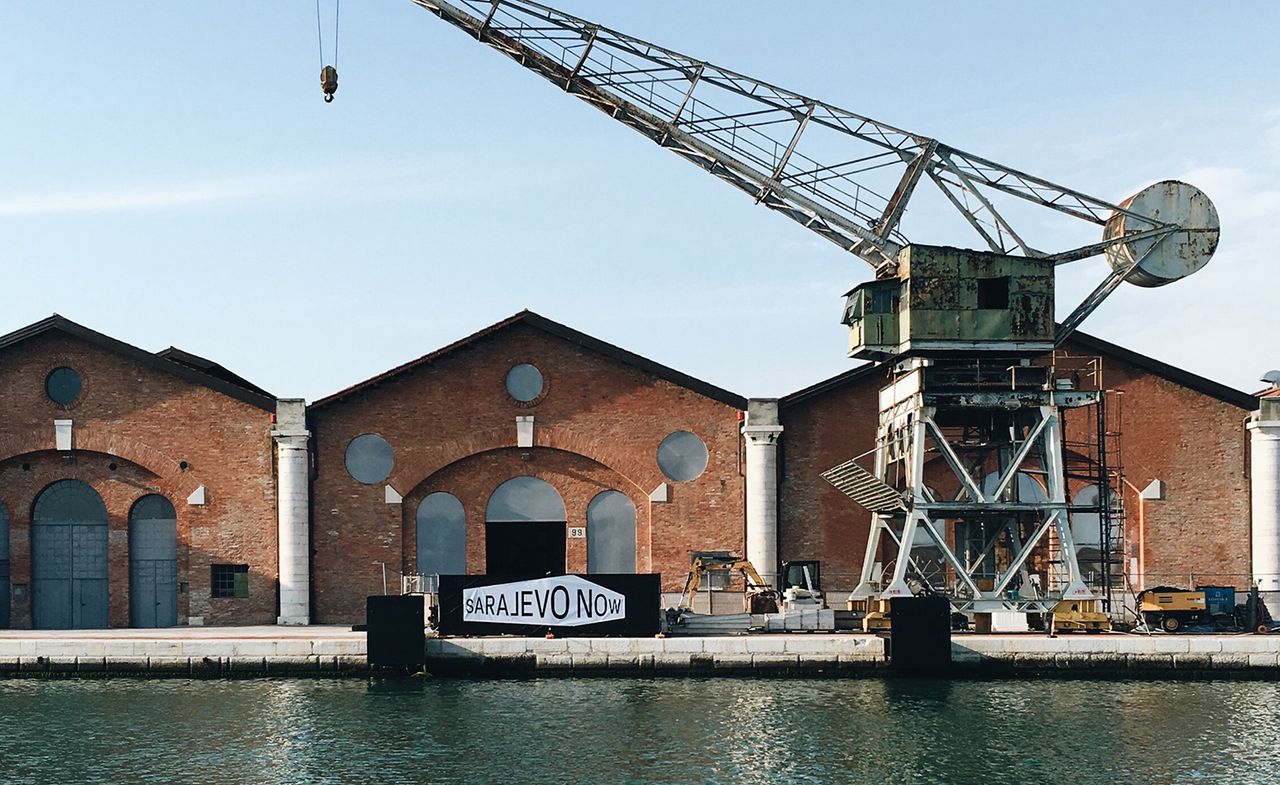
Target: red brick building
<point x="141" y="489"/>
<point x="131" y="483"/>
<point x="1178" y="437"/>
<point x="525" y="398"/>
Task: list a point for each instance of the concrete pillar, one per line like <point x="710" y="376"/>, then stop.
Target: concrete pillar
<point x="293" y="467"/>
<point x="1264" y="463"/>
<point x="762" y="432"/>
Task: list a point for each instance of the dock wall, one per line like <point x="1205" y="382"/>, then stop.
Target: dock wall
<point x="338" y="652"/>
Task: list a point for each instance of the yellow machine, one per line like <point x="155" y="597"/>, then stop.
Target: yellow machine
<point x="760" y="597"/>
<point x="1080" y="616"/>
<point x="1171" y="609"/>
<point x="877" y="616"/>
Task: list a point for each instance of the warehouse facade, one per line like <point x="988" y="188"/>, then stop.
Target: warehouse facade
<point x="141" y="489"/>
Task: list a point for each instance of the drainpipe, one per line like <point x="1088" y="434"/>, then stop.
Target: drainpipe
<point x="762" y="431"/>
<point x="292" y="504"/>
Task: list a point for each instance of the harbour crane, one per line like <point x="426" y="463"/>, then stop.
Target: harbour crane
<point x="963" y="333"/>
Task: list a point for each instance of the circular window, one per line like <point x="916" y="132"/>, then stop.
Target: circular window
<point x="62" y="385"/>
<point x="524" y="382"/>
<point x="682" y="456"/>
<point x="369" y="459"/>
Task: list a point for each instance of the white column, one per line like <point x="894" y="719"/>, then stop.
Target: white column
<point x="762" y="431"/>
<point x="292" y="505"/>
<point x="1264" y="463"/>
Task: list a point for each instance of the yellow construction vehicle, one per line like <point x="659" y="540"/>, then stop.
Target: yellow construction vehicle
<point x="1080" y="616"/>
<point x="760" y="596"/>
<point x="1171" y="609"/>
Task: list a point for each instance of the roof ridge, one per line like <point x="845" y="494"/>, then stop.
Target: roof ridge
<point x="556" y="329"/>
<point x="260" y="398"/>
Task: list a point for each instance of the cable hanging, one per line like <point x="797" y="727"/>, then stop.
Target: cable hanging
<point x="328" y="73"/>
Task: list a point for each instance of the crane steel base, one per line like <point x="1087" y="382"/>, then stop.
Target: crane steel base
<point x="995" y="424"/>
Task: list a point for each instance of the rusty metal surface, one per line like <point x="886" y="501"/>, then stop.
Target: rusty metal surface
<point x="1170" y="257"/>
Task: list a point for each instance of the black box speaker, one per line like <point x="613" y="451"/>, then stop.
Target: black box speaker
<point x="396" y="636"/>
<point x="920" y="634"/>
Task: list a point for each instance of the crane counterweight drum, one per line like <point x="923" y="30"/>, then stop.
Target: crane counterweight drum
<point x="1176" y="255"/>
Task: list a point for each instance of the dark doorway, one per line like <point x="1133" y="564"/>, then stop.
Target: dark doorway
<point x="527" y="549"/>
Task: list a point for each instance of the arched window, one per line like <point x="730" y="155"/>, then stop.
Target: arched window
<point x="524" y="499"/>
<point x="1086" y="527"/>
<point x="611" y="533"/>
<point x="69" y="558"/>
<point x="442" y="535"/>
<point x="4" y="567"/>
<point x="153" y="563"/>
<point x="1025" y="488"/>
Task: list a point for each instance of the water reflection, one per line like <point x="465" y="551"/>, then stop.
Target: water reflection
<point x="659" y="731"/>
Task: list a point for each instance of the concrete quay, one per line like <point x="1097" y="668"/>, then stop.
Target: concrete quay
<point x="337" y="651"/>
<point x="184" y="652"/>
<point x="1113" y="655"/>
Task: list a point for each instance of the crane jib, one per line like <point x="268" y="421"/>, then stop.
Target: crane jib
<point x="846" y="177"/>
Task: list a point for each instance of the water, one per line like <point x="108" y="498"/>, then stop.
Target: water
<point x="622" y="731"/>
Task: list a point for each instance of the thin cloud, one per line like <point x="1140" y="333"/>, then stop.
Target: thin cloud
<point x="151" y="196"/>
<point x="355" y="181"/>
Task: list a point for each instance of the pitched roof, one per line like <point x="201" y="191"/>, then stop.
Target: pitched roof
<point x="205" y="365"/>
<point x="864" y="371"/>
<point x="558" y="330"/>
<point x="1172" y="373"/>
<point x="184" y="365"/>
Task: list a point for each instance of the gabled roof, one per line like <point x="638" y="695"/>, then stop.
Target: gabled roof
<point x="1174" y="374"/>
<point x="207" y="366"/>
<point x="1187" y="379"/>
<point x="181" y="364"/>
<point x="558" y="330"/>
<point x="850" y="376"/>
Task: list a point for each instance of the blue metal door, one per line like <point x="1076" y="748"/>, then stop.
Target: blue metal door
<point x="153" y="563"/>
<point x="69" y="558"/>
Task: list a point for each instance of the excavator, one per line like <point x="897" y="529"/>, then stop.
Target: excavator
<point x="759" y="597"/>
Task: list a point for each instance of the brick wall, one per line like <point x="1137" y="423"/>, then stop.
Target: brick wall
<point x="452" y="425"/>
<point x="1193" y="442"/>
<point x="134" y="426"/>
<point x="1197" y="446"/>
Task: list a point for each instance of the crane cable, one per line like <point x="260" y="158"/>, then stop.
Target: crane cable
<point x="328" y="73"/>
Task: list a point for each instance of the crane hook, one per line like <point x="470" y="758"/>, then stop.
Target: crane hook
<point x="329" y="82"/>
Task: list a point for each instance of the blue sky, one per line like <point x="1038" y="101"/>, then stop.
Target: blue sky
<point x="170" y="175"/>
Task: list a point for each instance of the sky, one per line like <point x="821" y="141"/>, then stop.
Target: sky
<point x="169" y="175"/>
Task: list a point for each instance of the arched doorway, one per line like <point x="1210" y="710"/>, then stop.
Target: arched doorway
<point x="442" y="535"/>
<point x="153" y="563"/>
<point x="69" y="558"/>
<point x="4" y="567"/>
<point x="525" y="529"/>
<point x="611" y="533"/>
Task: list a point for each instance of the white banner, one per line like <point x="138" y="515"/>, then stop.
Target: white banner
<point x="560" y="601"/>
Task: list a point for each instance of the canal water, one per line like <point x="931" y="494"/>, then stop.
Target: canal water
<point x="638" y="731"/>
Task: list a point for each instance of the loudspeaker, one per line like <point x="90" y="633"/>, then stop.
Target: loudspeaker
<point x="920" y="634"/>
<point x="396" y="626"/>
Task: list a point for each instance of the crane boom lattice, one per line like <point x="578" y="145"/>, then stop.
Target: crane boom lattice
<point x="805" y="158"/>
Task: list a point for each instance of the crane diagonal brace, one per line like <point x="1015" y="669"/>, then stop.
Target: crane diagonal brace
<point x="760" y="138"/>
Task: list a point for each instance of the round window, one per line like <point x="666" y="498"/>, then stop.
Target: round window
<point x="62" y="385"/>
<point x="369" y="458"/>
<point x="524" y="382"/>
<point x="682" y="456"/>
